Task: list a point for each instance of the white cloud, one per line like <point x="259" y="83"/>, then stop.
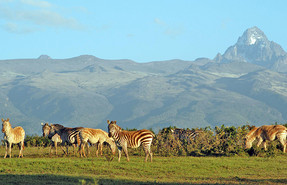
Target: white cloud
<point x="15" y="28"/>
<point x="42" y="15"/>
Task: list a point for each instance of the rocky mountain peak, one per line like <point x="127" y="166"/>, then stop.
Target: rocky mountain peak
<point x="252" y="36"/>
<point x="254" y="47"/>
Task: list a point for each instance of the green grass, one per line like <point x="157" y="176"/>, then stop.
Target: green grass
<point x="37" y="167"/>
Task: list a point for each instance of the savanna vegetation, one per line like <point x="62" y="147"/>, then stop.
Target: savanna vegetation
<point x="211" y="156"/>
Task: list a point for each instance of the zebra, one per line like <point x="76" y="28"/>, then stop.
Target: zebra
<point x="13" y="136"/>
<point x="185" y="135"/>
<point x="68" y="135"/>
<point x="54" y="138"/>
<point x="132" y="139"/>
<point x="95" y="136"/>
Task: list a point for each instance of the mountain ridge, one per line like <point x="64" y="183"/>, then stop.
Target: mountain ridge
<point x="247" y="84"/>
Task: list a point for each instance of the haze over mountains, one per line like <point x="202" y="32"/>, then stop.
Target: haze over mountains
<point x="246" y="84"/>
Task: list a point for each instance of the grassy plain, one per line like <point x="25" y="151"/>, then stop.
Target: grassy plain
<point x="38" y="167"/>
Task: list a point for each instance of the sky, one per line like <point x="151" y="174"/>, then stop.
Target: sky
<point x="139" y="30"/>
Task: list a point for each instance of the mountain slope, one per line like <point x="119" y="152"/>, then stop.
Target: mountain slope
<point x="246" y="84"/>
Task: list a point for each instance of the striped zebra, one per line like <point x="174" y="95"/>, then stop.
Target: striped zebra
<point x="46" y="128"/>
<point x="13" y="136"/>
<point x="95" y="136"/>
<point x="131" y="139"/>
<point x="185" y="135"/>
<point x="67" y="134"/>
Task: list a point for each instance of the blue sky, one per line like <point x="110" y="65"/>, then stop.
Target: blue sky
<point x="143" y="30"/>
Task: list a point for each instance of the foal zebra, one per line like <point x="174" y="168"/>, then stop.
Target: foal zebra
<point x="13" y="136"/>
<point x="95" y="136"/>
<point x="132" y="139"/>
<point x="67" y="134"/>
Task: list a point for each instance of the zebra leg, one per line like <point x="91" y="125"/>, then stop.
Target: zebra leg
<point x="265" y="145"/>
<point x="55" y="143"/>
<point x="63" y="148"/>
<point x="120" y="153"/>
<point x="259" y="142"/>
<point x="282" y="139"/>
<point x="67" y="149"/>
<point x="146" y="148"/>
<point x="97" y="147"/>
<point x="126" y="152"/>
<point x="22" y="148"/>
<point x="74" y="145"/>
<point x="101" y="148"/>
<point x="88" y="149"/>
<point x="10" y="145"/>
<point x="83" y="148"/>
<point x="6" y="147"/>
<point x="80" y="150"/>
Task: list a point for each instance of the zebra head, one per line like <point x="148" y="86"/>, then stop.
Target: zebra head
<point x="5" y="125"/>
<point x="53" y="130"/>
<point x="46" y="128"/>
<point x="113" y="128"/>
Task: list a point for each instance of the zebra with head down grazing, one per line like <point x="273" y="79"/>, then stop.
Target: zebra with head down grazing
<point x="95" y="136"/>
<point x="132" y="139"/>
<point x="266" y="133"/>
<point x="68" y="135"/>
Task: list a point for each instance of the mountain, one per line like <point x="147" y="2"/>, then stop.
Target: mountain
<point x="254" y="47"/>
<point x="245" y="85"/>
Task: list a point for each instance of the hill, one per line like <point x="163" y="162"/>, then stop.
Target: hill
<point x="247" y="84"/>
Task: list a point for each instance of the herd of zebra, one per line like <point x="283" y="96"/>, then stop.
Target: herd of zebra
<point x="122" y="139"/>
<point x="81" y="137"/>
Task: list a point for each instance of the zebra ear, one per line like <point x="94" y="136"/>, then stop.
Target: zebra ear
<point x="7" y="119"/>
<point x="108" y="121"/>
<point x="3" y="120"/>
<point x="115" y="122"/>
<point x="42" y="124"/>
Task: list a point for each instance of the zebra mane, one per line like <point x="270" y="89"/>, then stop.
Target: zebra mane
<point x="120" y="128"/>
<point x="58" y="126"/>
<point x="115" y="123"/>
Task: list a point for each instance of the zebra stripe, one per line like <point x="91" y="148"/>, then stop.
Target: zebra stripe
<point x="131" y="139"/>
<point x="67" y="134"/>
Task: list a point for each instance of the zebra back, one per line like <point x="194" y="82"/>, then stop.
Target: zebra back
<point x="67" y="134"/>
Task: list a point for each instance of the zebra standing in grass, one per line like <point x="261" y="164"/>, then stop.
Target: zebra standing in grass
<point x="13" y="136"/>
<point x="68" y="135"/>
<point x="46" y="128"/>
<point x="132" y="139"/>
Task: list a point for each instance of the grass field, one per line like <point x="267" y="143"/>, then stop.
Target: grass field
<point x="37" y="167"/>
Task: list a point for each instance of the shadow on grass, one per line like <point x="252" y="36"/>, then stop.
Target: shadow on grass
<point x="59" y="179"/>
